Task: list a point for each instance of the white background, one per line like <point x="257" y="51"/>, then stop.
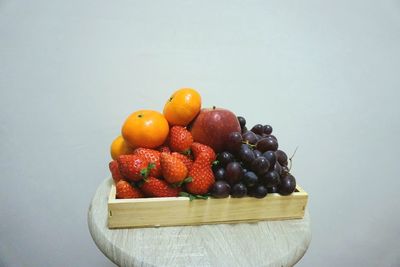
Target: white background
<point x="325" y="75"/>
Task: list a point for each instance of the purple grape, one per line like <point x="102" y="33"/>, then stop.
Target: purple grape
<point x="224" y="158"/>
<point x="257" y="153"/>
<point x="250" y="179"/>
<point x="234" y="141"/>
<point x="287" y="185"/>
<point x="281" y="157"/>
<point x="278" y="168"/>
<point x="219" y="174"/>
<point x="238" y="190"/>
<point x="257" y="129"/>
<point x="259" y="191"/>
<point x="220" y="189"/>
<point x="260" y="165"/>
<point x="271" y="157"/>
<point x="267" y="129"/>
<point x="246" y="154"/>
<point x="270" y="178"/>
<point x="266" y="144"/>
<point x="242" y="121"/>
<point x="271" y="136"/>
<point x="249" y="137"/>
<point x="233" y="172"/>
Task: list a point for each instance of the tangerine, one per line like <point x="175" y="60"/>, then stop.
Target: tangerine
<point x="120" y="147"/>
<point x="145" y="128"/>
<point x="182" y="107"/>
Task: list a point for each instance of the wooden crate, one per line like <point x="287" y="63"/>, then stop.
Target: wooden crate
<point x="175" y="211"/>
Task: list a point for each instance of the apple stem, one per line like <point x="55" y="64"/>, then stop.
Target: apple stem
<point x="214" y="107"/>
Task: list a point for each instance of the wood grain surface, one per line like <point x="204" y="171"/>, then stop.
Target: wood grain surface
<point x="179" y="211"/>
<point x="268" y="243"/>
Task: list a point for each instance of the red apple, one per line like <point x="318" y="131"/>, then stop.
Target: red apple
<point x="212" y="127"/>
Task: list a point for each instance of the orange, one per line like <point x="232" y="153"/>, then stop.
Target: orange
<point x="120" y="147"/>
<point x="182" y="107"/>
<point x="145" y="128"/>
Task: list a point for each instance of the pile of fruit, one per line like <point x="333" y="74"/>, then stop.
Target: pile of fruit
<point x="196" y="152"/>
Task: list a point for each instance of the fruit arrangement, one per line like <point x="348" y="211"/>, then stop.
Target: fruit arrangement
<point x="197" y="152"/>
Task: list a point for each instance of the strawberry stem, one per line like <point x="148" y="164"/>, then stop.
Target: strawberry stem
<point x="151" y="166"/>
<point x="146" y="171"/>
<point x="187" y="152"/>
<point x="191" y="196"/>
<point x="184" y="181"/>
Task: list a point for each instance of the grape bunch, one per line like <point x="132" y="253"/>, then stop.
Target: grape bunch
<point x="252" y="165"/>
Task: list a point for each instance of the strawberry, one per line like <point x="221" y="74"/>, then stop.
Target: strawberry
<point x="126" y="190"/>
<point x="186" y="159"/>
<point x="201" y="174"/>
<point x="116" y="175"/>
<point x="153" y="187"/>
<point x="152" y="156"/>
<point x="173" y="169"/>
<point x="133" y="167"/>
<point x="198" y="148"/>
<point x="180" y="139"/>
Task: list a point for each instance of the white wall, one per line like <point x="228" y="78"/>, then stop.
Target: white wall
<point x="324" y="75"/>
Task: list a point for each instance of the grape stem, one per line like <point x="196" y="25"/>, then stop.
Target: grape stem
<point x="290" y="159"/>
<point x="248" y="143"/>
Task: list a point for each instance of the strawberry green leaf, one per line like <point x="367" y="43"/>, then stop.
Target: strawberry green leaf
<point x="176" y="185"/>
<point x="184" y="181"/>
<point x="187" y="152"/>
<point x="144" y="172"/>
<point x="191" y="196"/>
<point x="187" y="180"/>
<point x="201" y="196"/>
<point x="184" y="194"/>
<point x="151" y="166"/>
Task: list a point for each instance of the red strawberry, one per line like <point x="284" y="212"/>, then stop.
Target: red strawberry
<point x="173" y="169"/>
<point x="164" y="148"/>
<point x="153" y="187"/>
<point x="152" y="156"/>
<point x="133" y="167"/>
<point x="126" y="190"/>
<point x="201" y="174"/>
<point x="198" y="148"/>
<point x="116" y="175"/>
<point x="185" y="159"/>
<point x="180" y="139"/>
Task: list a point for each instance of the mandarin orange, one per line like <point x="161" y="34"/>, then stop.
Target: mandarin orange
<point x="182" y="107"/>
<point x="145" y="128"/>
<point x="120" y="147"/>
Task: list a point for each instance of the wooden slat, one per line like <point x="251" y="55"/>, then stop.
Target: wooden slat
<point x="174" y="211"/>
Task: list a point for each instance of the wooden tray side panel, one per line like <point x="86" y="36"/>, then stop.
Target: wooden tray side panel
<point x="154" y="212"/>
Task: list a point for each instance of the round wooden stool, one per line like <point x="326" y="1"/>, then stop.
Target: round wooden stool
<point x="267" y="243"/>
